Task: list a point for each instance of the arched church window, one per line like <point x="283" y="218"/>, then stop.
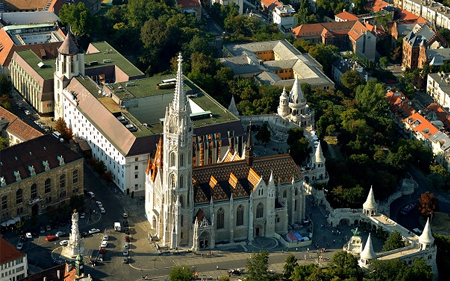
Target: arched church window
<point x="259" y="211"/>
<point x="172" y="180"/>
<point x="181" y="185"/>
<point x="220" y="219"/>
<point x="284" y="194"/>
<point x="172" y="159"/>
<point x="181" y="160"/>
<point x="181" y="201"/>
<point x="240" y="215"/>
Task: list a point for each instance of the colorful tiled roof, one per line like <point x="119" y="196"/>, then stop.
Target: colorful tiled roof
<point x="316" y="29"/>
<point x="220" y="181"/>
<point x="440" y="113"/>
<point x="357" y="30"/>
<point x="399" y="103"/>
<point x="8" y="252"/>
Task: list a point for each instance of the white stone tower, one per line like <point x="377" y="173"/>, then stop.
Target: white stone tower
<point x="370" y="206"/>
<point x="70" y="63"/>
<point x="283" y="108"/>
<point x="75" y="246"/>
<point x="271" y="214"/>
<point x="318" y="170"/>
<point x="367" y="254"/>
<point x="297" y="102"/>
<point x="426" y="239"/>
<point x="178" y="194"/>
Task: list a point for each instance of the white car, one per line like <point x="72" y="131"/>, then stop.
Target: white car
<point x="82" y="215"/>
<point x="99" y="204"/>
<point x="27" y="112"/>
<point x="64" y="243"/>
<point x="28" y="235"/>
<point x="91" y="193"/>
<point x="60" y="233"/>
<point x="102" y="210"/>
<point x="125" y="215"/>
<point x="105" y="237"/>
<point x="94" y="230"/>
<point x="104" y="244"/>
<point x="19" y="246"/>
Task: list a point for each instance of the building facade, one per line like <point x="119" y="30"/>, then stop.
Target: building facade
<point x="13" y="263"/>
<point x="40" y="174"/>
<point x="234" y="200"/>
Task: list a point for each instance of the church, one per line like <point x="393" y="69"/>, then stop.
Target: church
<point x="234" y="200"/>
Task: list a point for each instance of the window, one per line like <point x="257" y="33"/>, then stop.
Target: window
<point x="259" y="211"/>
<point x="62" y="181"/>
<point x="75" y="176"/>
<point x="19" y="196"/>
<point x="136" y="158"/>
<point x="181" y="160"/>
<point x="136" y="176"/>
<point x="172" y="159"/>
<point x="4" y="202"/>
<point x="181" y="182"/>
<point x="19" y="211"/>
<point x="181" y="201"/>
<point x="33" y="191"/>
<point x="240" y="215"/>
<point x="47" y="185"/>
<point x="284" y="194"/>
<point x="181" y="220"/>
<point x="136" y="167"/>
<point x="220" y="219"/>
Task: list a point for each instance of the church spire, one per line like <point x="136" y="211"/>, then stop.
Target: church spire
<point x="179" y="97"/>
<point x="368" y="253"/>
<point x="319" y="155"/>
<point x="249" y="146"/>
<point x="296" y="94"/>
<point x="426" y="238"/>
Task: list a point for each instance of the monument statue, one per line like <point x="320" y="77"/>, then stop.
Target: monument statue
<point x="75" y="246"/>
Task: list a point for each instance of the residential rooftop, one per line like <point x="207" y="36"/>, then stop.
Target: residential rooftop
<point x="102" y="54"/>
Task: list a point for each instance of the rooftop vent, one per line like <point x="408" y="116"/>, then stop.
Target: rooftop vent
<point x="107" y="60"/>
<point x="129" y="84"/>
<point x="40" y="64"/>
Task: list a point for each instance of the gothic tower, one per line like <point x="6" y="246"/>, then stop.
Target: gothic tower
<point x="370" y="206"/>
<point x="177" y="168"/>
<point x="318" y="169"/>
<point x="70" y="63"/>
<point x="297" y="102"/>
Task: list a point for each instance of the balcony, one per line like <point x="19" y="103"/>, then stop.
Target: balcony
<point x="34" y="201"/>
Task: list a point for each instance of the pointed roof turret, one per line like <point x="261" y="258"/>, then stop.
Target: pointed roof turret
<point x="319" y="155"/>
<point x="284" y="94"/>
<point x="368" y="253"/>
<point x="232" y="108"/>
<point x="249" y="146"/>
<point x="68" y="47"/>
<point x="296" y="94"/>
<point x="179" y="98"/>
<point x="426" y="237"/>
<point x="370" y="202"/>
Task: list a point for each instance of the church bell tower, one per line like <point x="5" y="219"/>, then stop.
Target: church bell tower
<point x="177" y="167"/>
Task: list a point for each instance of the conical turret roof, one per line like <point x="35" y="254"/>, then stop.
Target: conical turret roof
<point x="370" y="202"/>
<point x="296" y="94"/>
<point x="232" y="108"/>
<point x="319" y="155"/>
<point x="284" y="94"/>
<point x="368" y="253"/>
<point x="426" y="237"/>
<point x="68" y="47"/>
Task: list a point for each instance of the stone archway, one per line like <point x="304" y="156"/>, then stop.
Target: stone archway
<point x="307" y="179"/>
<point x="344" y="222"/>
<point x="259" y="231"/>
<point x="204" y="240"/>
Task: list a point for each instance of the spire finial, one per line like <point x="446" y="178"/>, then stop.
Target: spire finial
<point x="179" y="98"/>
<point x="249" y="146"/>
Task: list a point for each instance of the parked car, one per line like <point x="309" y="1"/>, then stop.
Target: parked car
<point x="48" y="227"/>
<point x="408" y="208"/>
<point x="102" y="210"/>
<point x="127" y="239"/>
<point x="94" y="230"/>
<point x="91" y="194"/>
<point x="126" y="245"/>
<point x="60" y="233"/>
<point x="82" y="215"/>
<point x="102" y="250"/>
<point x="100" y="257"/>
<point x="29" y="235"/>
<point x="125" y="252"/>
<point x="64" y="243"/>
<point x="41" y="229"/>
<point x="19" y="246"/>
<point x="27" y="112"/>
<point x="104" y="244"/>
<point x="126" y="259"/>
<point x="50" y="237"/>
<point x="105" y="237"/>
<point x="99" y="204"/>
<point x="125" y="215"/>
<point x="125" y="223"/>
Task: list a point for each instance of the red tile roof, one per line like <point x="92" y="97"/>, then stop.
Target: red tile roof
<point x="408" y="16"/>
<point x="17" y="5"/>
<point x="17" y="127"/>
<point x="188" y="3"/>
<point x="316" y="29"/>
<point x="268" y="3"/>
<point x="346" y="16"/>
<point x="8" y="252"/>
<point x="376" y="5"/>
<point x="421" y="126"/>
<point x="357" y="30"/>
<point x="399" y="103"/>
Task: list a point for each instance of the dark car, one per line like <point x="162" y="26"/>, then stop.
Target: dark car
<point x="125" y="223"/>
<point x="84" y="234"/>
<point x="127" y="239"/>
<point x="126" y="260"/>
<point x="127" y="231"/>
<point x="102" y="251"/>
<point x="408" y="208"/>
<point x="60" y="261"/>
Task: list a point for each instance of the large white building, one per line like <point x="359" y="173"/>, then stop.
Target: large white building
<point x="13" y="263"/>
<point x="438" y="87"/>
<point x="235" y="200"/>
<point x="434" y="12"/>
<point x="121" y="120"/>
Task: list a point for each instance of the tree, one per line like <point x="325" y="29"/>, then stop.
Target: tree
<point x="181" y="273"/>
<point x="263" y="134"/>
<point x="294" y="134"/>
<point x="428" y="204"/>
<point x="384" y="61"/>
<point x="394" y="241"/>
<point x="345" y="266"/>
<point x="4" y="102"/>
<point x="3" y="143"/>
<point x="394" y="270"/>
<point x="79" y="18"/>
<point x="5" y="85"/>
<point x="258" y="266"/>
<point x="351" y="79"/>
<point x="289" y="266"/>
<point x="62" y="128"/>
<point x="439" y="176"/>
<point x="302" y="272"/>
<point x="372" y="97"/>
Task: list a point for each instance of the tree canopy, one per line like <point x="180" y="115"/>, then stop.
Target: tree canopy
<point x="394" y="241"/>
<point x="258" y="267"/>
<point x="78" y="17"/>
<point x="428" y="204"/>
<point x="181" y="273"/>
